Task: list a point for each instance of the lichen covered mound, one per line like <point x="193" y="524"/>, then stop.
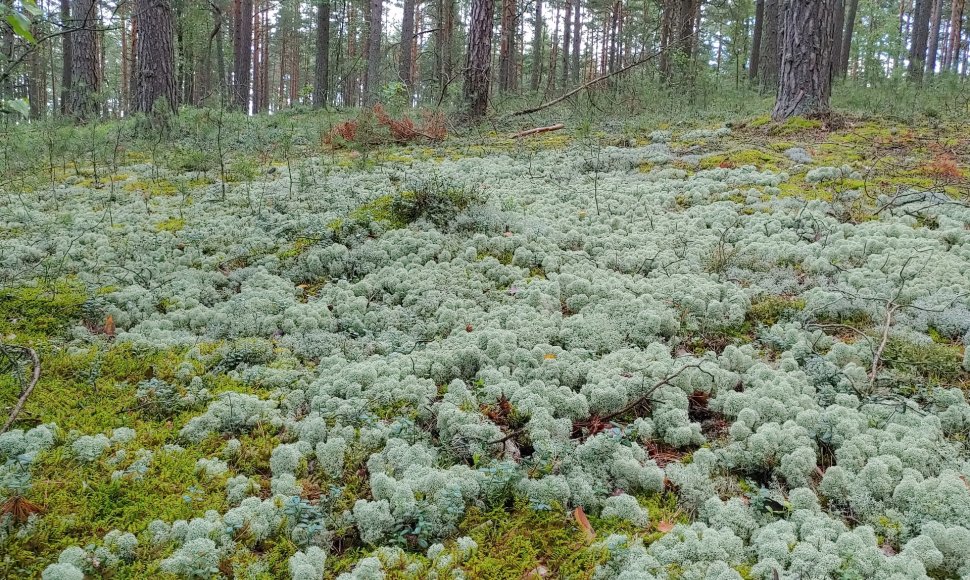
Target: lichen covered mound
<point x="367" y="359"/>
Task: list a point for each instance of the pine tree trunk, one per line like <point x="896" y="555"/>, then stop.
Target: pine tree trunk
<point x="155" y="75"/>
<point x="67" y="65"/>
<point x="85" y="81"/>
<point x="478" y="61"/>
<point x="805" y="77"/>
<point x="321" y="80"/>
<point x="920" y="39"/>
<point x="956" y="36"/>
<point x="506" y="59"/>
<point x="407" y="37"/>
<point x="566" y="41"/>
<point x="759" y="22"/>
<point x="838" y="27"/>
<point x="933" y="45"/>
<point x="770" y="46"/>
<point x="372" y="79"/>
<point x="577" y="42"/>
<point x="538" y="28"/>
<point x="847" y="37"/>
<point x="243" y="61"/>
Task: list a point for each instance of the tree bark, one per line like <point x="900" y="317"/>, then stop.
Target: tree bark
<point x="759" y="22"/>
<point x="155" y="75"/>
<point x="372" y="78"/>
<point x="243" y="61"/>
<point x="770" y="46"/>
<point x="956" y="36"/>
<point x="932" y="52"/>
<point x="538" y="26"/>
<point x="805" y="77"/>
<point x="838" y="26"/>
<point x="85" y="80"/>
<point x="321" y="80"/>
<point x="577" y="41"/>
<point x="67" y="65"/>
<point x="506" y="59"/>
<point x="478" y="62"/>
<point x="850" y="17"/>
<point x="920" y="38"/>
<point x="407" y="37"/>
<point x="567" y="21"/>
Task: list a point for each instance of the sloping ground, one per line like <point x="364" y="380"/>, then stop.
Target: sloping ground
<point x="742" y="352"/>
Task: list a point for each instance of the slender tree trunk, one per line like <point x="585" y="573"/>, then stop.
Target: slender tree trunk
<point x="538" y="26"/>
<point x="37" y="80"/>
<point x="918" y="46"/>
<point x="933" y="45"/>
<point x="407" y="38"/>
<point x="805" y="78"/>
<point x="566" y="41"/>
<point x="372" y="78"/>
<point x="478" y="63"/>
<point x="574" y="55"/>
<point x="847" y="37"/>
<point x="155" y="76"/>
<point x="956" y="36"/>
<point x="85" y="81"/>
<point x="321" y="80"/>
<point x="759" y="21"/>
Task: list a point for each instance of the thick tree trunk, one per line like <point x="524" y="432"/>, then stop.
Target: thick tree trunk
<point x="933" y="45"/>
<point x="321" y="80"/>
<point x="478" y="62"/>
<point x="155" y="76"/>
<point x="805" y="77"/>
<point x="407" y="37"/>
<point x="538" y="27"/>
<point x="920" y="39"/>
<point x="372" y="78"/>
<point x="85" y="80"/>
<point x="850" y="17"/>
<point x="770" y="46"/>
<point x="759" y="22"/>
<point x="506" y="59"/>
<point x="956" y="36"/>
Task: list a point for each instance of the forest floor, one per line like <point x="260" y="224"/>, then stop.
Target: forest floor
<point x="150" y="291"/>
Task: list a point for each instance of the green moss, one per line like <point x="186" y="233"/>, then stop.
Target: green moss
<point x="795" y="125"/>
<point x="768" y="310"/>
<point x="933" y="362"/>
<point x="514" y="541"/>
<point x="35" y="313"/>
<point x="755" y="157"/>
<point x="152" y="188"/>
<point x="172" y="225"/>
<point x="92" y="391"/>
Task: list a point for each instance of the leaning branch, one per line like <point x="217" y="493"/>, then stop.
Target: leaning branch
<point x="597" y="80"/>
<point x="35" y="378"/>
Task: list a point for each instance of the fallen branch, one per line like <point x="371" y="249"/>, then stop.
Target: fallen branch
<point x="35" y="378"/>
<point x="536" y="131"/>
<point x="597" y="80"/>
